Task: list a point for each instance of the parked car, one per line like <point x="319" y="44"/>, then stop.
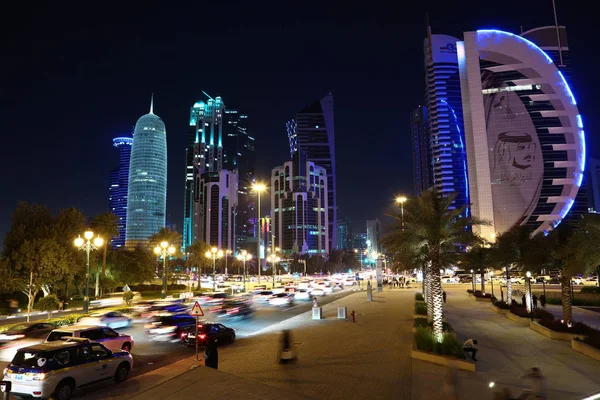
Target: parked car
<point x="208" y="331"/>
<point x="112" y="319"/>
<point x="110" y="338"/>
<point x="55" y="369"/>
<point x="169" y="328"/>
<point x="450" y="279"/>
<point x="22" y="335"/>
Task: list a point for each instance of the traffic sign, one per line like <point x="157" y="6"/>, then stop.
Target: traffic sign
<point x="197" y="310"/>
<point x="126" y="288"/>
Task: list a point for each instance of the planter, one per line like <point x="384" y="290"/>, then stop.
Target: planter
<point x="549" y="333"/>
<point x="585" y="349"/>
<point x="521" y="320"/>
<point x="442" y="360"/>
<point x="488" y="299"/>
<point x="499" y="310"/>
<point x="424" y="316"/>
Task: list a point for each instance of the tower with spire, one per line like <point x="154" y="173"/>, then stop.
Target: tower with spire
<point x="147" y="191"/>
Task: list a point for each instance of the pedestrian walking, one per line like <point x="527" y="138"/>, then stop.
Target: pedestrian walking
<point x="535" y="299"/>
<point x="537" y="382"/>
<point x="470" y="347"/>
<point x="287" y="353"/>
<point x="315" y="302"/>
<point x="211" y="354"/>
<point x="543" y="300"/>
<point x="523" y="301"/>
<point x="450" y="385"/>
<point x="444" y="296"/>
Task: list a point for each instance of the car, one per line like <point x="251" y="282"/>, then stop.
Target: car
<point x="55" y="369"/>
<point x="233" y="309"/>
<point x="349" y="282"/>
<point x="317" y="292"/>
<point x="110" y="338"/>
<point x="22" y="335"/>
<point x="450" y="279"/>
<point x="112" y="319"/>
<point x="164" y="308"/>
<point x="577" y="281"/>
<point x="169" y="328"/>
<point x="208" y="331"/>
<point x="263" y="296"/>
<point x="212" y="299"/>
<point x="114" y="299"/>
<point x="302" y="294"/>
<point x="592" y="280"/>
<point x="281" y="299"/>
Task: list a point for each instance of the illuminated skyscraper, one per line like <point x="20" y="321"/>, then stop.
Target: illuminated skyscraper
<point x="147" y="193"/>
<point x="419" y="135"/>
<point x="119" y="178"/>
<point x="313" y="132"/>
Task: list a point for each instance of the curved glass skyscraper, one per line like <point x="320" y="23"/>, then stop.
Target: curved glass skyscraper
<point x="147" y="193"/>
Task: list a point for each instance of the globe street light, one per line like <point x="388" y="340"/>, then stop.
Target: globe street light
<point x="227" y="253"/>
<point x="273" y="259"/>
<point x="164" y="250"/>
<point x="401" y="200"/>
<point x="213" y="254"/>
<point x="87" y="245"/>
<point x="258" y="188"/>
<point x="243" y="257"/>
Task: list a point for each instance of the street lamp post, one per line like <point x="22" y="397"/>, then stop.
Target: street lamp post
<point x="227" y="253"/>
<point x="274" y="259"/>
<point x="213" y="254"/>
<point x="492" y="282"/>
<point x="528" y="289"/>
<point x="258" y="188"/>
<point x="243" y="257"/>
<point x="401" y="200"/>
<point x="87" y="245"/>
<point x="473" y="280"/>
<point x="164" y="250"/>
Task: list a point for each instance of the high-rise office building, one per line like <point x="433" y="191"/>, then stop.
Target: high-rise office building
<point x="523" y="133"/>
<point x="313" y="132"/>
<point x="359" y="245"/>
<point x="553" y="41"/>
<point x="419" y="134"/>
<point x="344" y="234"/>
<point x="218" y="141"/>
<point x="299" y="207"/>
<point x="147" y="192"/>
<point x="593" y="170"/>
<point x="118" y="181"/>
<point x="446" y="153"/>
<point x="373" y="236"/>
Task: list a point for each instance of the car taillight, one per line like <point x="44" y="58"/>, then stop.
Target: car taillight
<point x="183" y="334"/>
<point x="202" y="336"/>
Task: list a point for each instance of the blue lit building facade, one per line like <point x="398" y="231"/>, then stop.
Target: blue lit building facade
<point x="344" y="234"/>
<point x="312" y="132"/>
<point x="147" y="191"/>
<point x="118" y="182"/>
<point x="444" y="128"/>
<point x="523" y="131"/>
<point x="419" y="134"/>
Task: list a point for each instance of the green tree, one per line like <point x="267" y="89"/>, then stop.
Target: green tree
<point x="29" y="221"/>
<point x="135" y="265"/>
<point x="106" y="225"/>
<point x="433" y="233"/>
<point x="477" y="258"/>
<point x="196" y="257"/>
<point x="48" y="304"/>
<point x="165" y="234"/>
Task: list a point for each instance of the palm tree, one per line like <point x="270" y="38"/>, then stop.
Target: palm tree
<point x="165" y="234"/>
<point x="477" y="258"/>
<point x="433" y="230"/>
<point x="196" y="257"/>
<point x="107" y="227"/>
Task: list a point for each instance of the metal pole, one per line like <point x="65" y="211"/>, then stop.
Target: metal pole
<point x="492" y="283"/>
<point x="258" y="236"/>
<point x="196" y="338"/>
<point x="273" y="266"/>
<point x="86" y="299"/>
<point x="225" y="263"/>
<point x="244" y="274"/>
<point x="214" y="276"/>
<point x="163" y="294"/>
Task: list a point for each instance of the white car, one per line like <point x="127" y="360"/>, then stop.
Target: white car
<point x="55" y="369"/>
<point x="114" y="299"/>
<point x="281" y="299"/>
<point x="110" y="338"/>
<point x="591" y="281"/>
<point x="112" y="319"/>
<point x="349" y="282"/>
<point x="302" y="294"/>
<point x="449" y="279"/>
<point x="317" y="292"/>
<point x="263" y="296"/>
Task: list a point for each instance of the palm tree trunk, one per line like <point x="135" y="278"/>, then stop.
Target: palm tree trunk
<point x="437" y="311"/>
<point x="104" y="260"/>
<point x="528" y="304"/>
<point x="566" y="297"/>
<point x="429" y="296"/>
<point x="508" y="287"/>
<point x="482" y="271"/>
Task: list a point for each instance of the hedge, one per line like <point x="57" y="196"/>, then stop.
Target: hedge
<point x="420" y="308"/>
<point x="425" y="341"/>
<point x="419" y="297"/>
<point x="423" y="323"/>
<point x="57" y="322"/>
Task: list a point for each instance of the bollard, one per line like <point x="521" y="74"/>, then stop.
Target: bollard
<point x="353" y="314"/>
<point x="369" y="292"/>
<point x="5" y="387"/>
<point x="342" y="312"/>
<point x="317" y="313"/>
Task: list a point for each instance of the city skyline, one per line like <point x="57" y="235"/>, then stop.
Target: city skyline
<point x="384" y="122"/>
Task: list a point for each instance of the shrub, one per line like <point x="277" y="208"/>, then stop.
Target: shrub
<point x="593" y="339"/>
<point x="425" y="341"/>
<point x="501" y="305"/>
<point x="128" y="297"/>
<point x="423" y="323"/>
<point x="558" y="326"/>
<point x="590" y="289"/>
<point x="470" y="291"/>
<point x="478" y="293"/>
<point x="419" y="297"/>
<point x="420" y="308"/>
<point x="583" y="298"/>
<point x="57" y="322"/>
<point x="48" y="304"/>
<point x="538" y="313"/>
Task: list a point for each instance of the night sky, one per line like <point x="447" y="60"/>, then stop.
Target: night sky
<point x="74" y="77"/>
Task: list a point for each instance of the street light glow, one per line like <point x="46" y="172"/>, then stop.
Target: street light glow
<point x="208" y="254"/>
<point x="164" y="244"/>
<point x="88" y="235"/>
<point x="259" y="187"/>
<point x="78" y="242"/>
<point x="401" y="199"/>
<point x="98" y="241"/>
<point x="157" y="249"/>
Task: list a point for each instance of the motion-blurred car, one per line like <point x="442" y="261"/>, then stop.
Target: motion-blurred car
<point x="108" y="337"/>
<point x="164" y="308"/>
<point x="114" y="299"/>
<point x="112" y="319"/>
<point x="302" y="295"/>
<point x="281" y="299"/>
<point x="234" y="309"/>
<point x="349" y="282"/>
<point x="208" y="331"/>
<point x="22" y="335"/>
<point x="169" y="328"/>
<point x="212" y="299"/>
<point x="450" y="279"/>
<point x="317" y="292"/>
<point x="262" y="296"/>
